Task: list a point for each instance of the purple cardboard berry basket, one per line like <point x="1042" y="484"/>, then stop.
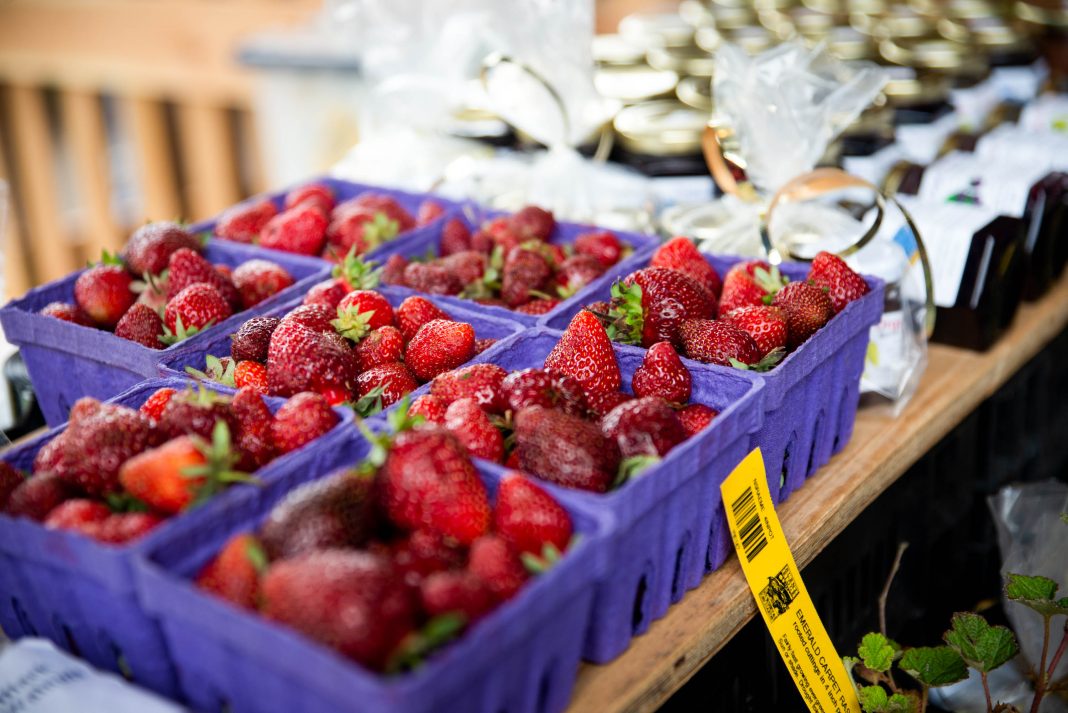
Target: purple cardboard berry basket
<point x="521" y="658"/>
<point x="810" y="398"/>
<point x="668" y="526"/>
<point x="81" y="594"/>
<point x="428" y="242"/>
<point x="67" y="361"/>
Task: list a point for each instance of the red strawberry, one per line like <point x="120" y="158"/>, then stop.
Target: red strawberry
<point x="430" y="407"/>
<point x="381" y="346"/>
<point x="301" y="359"/>
<point x="256" y="280"/>
<point x="103" y="292"/>
<point x="644" y="426"/>
<point x="393" y="270"/>
<point x="358" y="230"/>
<point x="468" y="266"/>
<point x="251" y="374"/>
<point x="424" y="552"/>
<point x="37" y="496"/>
<point x="10" y="479"/>
<point x="652" y="313"/>
<point x="748" y="283"/>
<point x="301" y="229"/>
<point x="807" y="308"/>
<point x="67" y="312"/>
<point x="473" y="429"/>
<point x="141" y="324"/>
<point x="429" y="211"/>
<point x="662" y="374"/>
<point x="525" y="272"/>
<point x="235" y="572"/>
<point x="432" y="279"/>
<point x="538" y="306"/>
<point x="164" y="477"/>
<point x="565" y="449"/>
<point x="585" y="353"/>
<point x="438" y="346"/>
<point x="576" y="272"/>
<point x="497" y="565"/>
<point x="717" y="343"/>
<point x="315" y="317"/>
<point x="534" y="222"/>
<point x="459" y="592"/>
<point x="187" y="267"/>
<point x="149" y="249"/>
<point x="153" y="407"/>
<point x="482" y="345"/>
<point x="481" y="382"/>
<point x="387" y="205"/>
<point x="528" y="518"/>
<point x="766" y="325"/>
<point x="195" y="412"/>
<point x="414" y="312"/>
<point x="428" y="481"/>
<point x="455" y="237"/>
<point x="301" y="420"/>
<point x="315" y="193"/>
<point x="79" y="515"/>
<point x="499" y="232"/>
<point x="602" y="245"/>
<point x="842" y="284"/>
<point x="394" y="378"/>
<point x="122" y="527"/>
<point x="354" y="602"/>
<point x="361" y="312"/>
<point x="601" y="402"/>
<point x="327" y="293"/>
<point x="255" y="440"/>
<point x="696" y="417"/>
<point x="550" y="389"/>
<point x="243" y="222"/>
<point x="251" y="340"/>
<point x="682" y="255"/>
<point x="194" y="309"/>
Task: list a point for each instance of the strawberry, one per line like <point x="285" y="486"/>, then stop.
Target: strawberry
<point x="455" y="237"/>
<point x="67" y="312"/>
<point x="394" y="379"/>
<point x="565" y="449"/>
<point x="255" y="440"/>
<point x="256" y="280"/>
<point x="432" y="279"/>
<point x="301" y="229"/>
<point x="662" y="374"/>
<point x="187" y="267"/>
<point x="10" y="479"/>
<point x="251" y="374"/>
<point x="482" y="345"/>
<point x="357" y="230"/>
<point x="153" y="407"/>
<point x="472" y="427"/>
<point x="496" y="564"/>
<point x="458" y="592"/>
<point x="195" y="413"/>
<point x="696" y="417"/>
<point x="103" y="292"/>
<point x="361" y="312"/>
<point x="601" y="402"/>
<point x="538" y="306"/>
<point x="576" y="272"/>
<point x="766" y="325"/>
<point x="252" y="339"/>
<point x="468" y="266"/>
<point x="121" y="527"/>
<point x="807" y="308"/>
<point x="37" y="496"/>
<point x="534" y="222"/>
<point x="585" y="353"/>
<point x="243" y="222"/>
<point x="354" y="602"/>
<point x="438" y="346"/>
<point x="528" y="518"/>
<point x="79" y="515"/>
<point x="682" y="255"/>
<point x="430" y="407"/>
<point x="429" y="211"/>
<point x="748" y="283"/>
<point x="414" y="312"/>
<point x="235" y="572"/>
<point x="718" y="343"/>
<point x="842" y="284"/>
<point x="302" y="419"/>
<point x="337" y="511"/>
<point x="649" y="304"/>
<point x="327" y="293"/>
<point x="315" y="193"/>
<point x="428" y="481"/>
<point x="381" y="346"/>
<point x="424" y="552"/>
<point x="301" y="359"/>
<point x="481" y="382"/>
<point x="141" y="324"/>
<point x="385" y="204"/>
<point x="602" y="245"/>
<point x="393" y="270"/>
<point x="645" y="426"/>
<point x="149" y="249"/>
<point x="526" y="271"/>
<point x="497" y="233"/>
<point x="550" y="389"/>
<point x="192" y="310"/>
<point x="315" y="317"/>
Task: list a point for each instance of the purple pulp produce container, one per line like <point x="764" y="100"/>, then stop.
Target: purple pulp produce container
<point x="668" y="526"/>
<point x="67" y="361"/>
<point x="521" y="658"/>
<point x="81" y="593"/>
<point x="428" y="242"/>
<point x="810" y="398"/>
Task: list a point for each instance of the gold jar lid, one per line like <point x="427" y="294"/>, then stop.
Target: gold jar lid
<point x="847" y="44"/>
<point x="616" y="49"/>
<point x="733" y="18"/>
<point x="656" y="29"/>
<point x="709" y="39"/>
<point x="634" y="83"/>
<point x="660" y="128"/>
<point x="906" y="88"/>
<point x="695" y="92"/>
<point x="996" y="34"/>
<point x="777" y="23"/>
<point x="813" y="23"/>
<point x="696" y="13"/>
<point x="932" y="52"/>
<point x="1044" y="13"/>
<point x="970" y="9"/>
<point x="684" y="59"/>
<point x="753" y="40"/>
<point x="902" y="22"/>
<point x="772" y="4"/>
<point x="877" y="121"/>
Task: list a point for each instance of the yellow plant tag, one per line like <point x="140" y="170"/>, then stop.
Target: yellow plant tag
<point x="781" y="597"/>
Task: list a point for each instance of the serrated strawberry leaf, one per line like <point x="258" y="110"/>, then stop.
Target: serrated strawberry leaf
<point x="876" y="652"/>
<point x="934" y="665"/>
<point x="353" y="324"/>
<point x="1036" y="593"/>
<point x="982" y="646"/>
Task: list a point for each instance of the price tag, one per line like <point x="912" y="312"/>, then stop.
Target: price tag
<point x="781" y="597"/>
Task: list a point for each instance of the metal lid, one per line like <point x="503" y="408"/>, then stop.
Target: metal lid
<point x="634" y="83"/>
<point x="696" y="13"/>
<point x="660" y="128"/>
<point x="709" y="38"/>
<point x="685" y="59"/>
<point x="616" y="49"/>
<point x="812" y="23"/>
<point x="878" y="120"/>
<point x="732" y="18"/>
<point x="695" y="92"/>
<point x="1044" y="13"/>
<point x="777" y="23"/>
<point x="935" y="53"/>
<point x="905" y="87"/>
<point x="902" y="22"/>
<point x="474" y="123"/>
<point x="656" y="29"/>
<point x="970" y="9"/>
<point x="753" y="40"/>
<point x="846" y="43"/>
<point x="866" y="7"/>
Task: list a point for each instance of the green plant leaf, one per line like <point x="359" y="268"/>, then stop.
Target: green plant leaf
<point x="934" y="665"/>
<point x="626" y="318"/>
<point x="632" y="467"/>
<point x="982" y="646"/>
<point x="415" y="647"/>
<point x="876" y="652"/>
<point x="900" y="703"/>
<point x="1037" y="593"/>
<point x="360" y="274"/>
<point x="873" y="699"/>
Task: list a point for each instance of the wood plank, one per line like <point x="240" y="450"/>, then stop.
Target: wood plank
<point x="18" y="271"/>
<point x="882" y="449"/>
<point x="249" y="133"/>
<point x="148" y="129"/>
<point x="210" y="158"/>
<point x="83" y="126"/>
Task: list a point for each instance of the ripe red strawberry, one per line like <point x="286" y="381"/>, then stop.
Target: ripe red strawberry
<point x="432" y="279"/>
<point x="497" y="565"/>
<point x="534" y="222"/>
<point x="387" y="205"/>
<point x="187" y="267"/>
<point x="717" y="343"/>
<point x="393" y="270"/>
<point x="473" y="429"/>
<point x="149" y="249"/>
<point x="576" y="272"/>
<point x="696" y="417"/>
<point x="301" y="359"/>
<point x="301" y="420"/>
<point x="10" y="479"/>
<point x="103" y="292"/>
<point x="748" y="283"/>
<point x="153" y="407"/>
<point x="662" y="374"/>
<point x="235" y="572"/>
<point x="438" y="346"/>
<point x="807" y="308"/>
<point x="315" y="317"/>
<point x="430" y="407"/>
<point x="381" y="346"/>
<point x="38" y="495"/>
<point x="842" y="284"/>
<point x="243" y="222"/>
<point x="358" y="229"/>
<point x="251" y="374"/>
<point x="67" y="312"/>
<point x="429" y="211"/>
<point x="585" y="353"/>
<point x="301" y="229"/>
<point x="164" y="477"/>
<point x="455" y="237"/>
<point x="424" y="552"/>
<point x="255" y="439"/>
<point x="525" y="272"/>
<point x="195" y="412"/>
<point x="394" y="378"/>
<point x="459" y="592"/>
<point x="256" y="280"/>
<point x="682" y="255"/>
<point x="602" y="245"/>
<point x="337" y="511"/>
<point x="528" y="518"/>
<point x="482" y="345"/>
<point x="601" y="402"/>
<point x="428" y="481"/>
<point x="565" y="449"/>
<point x="316" y="193"/>
<point x="141" y="324"/>
<point x="652" y="313"/>
<point x="354" y="602"/>
<point x="197" y="307"/>
<point x="550" y="389"/>
<point x="328" y="293"/>
<point x="497" y="233"/>
<point x="414" y="312"/>
<point x="80" y="515"/>
<point x="251" y="340"/>
<point x="765" y="324"/>
<point x="538" y="306"/>
<point x="644" y="426"/>
<point x="468" y="266"/>
<point x="481" y="382"/>
<point x="121" y="527"/>
<point x="361" y="312"/>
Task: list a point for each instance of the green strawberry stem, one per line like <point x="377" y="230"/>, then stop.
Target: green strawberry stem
<point x="257" y="556"/>
<point x="536" y="564"/>
<point x="771" y="281"/>
<point x="369" y="404"/>
<point x="632" y="467"/>
<point x="626" y="318"/>
<point x="765" y="364"/>
<point x="215" y="371"/>
<point x="380" y="230"/>
<point x="181" y="332"/>
<point x="218" y="472"/>
<point x="353" y="324"/>
<point x="360" y="274"/>
<point x="414" y="648"/>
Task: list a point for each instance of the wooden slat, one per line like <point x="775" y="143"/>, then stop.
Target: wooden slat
<point x="207" y="150"/>
<point x="18" y="272"/>
<point x="148" y="129"/>
<point x="52" y="253"/>
<point x="882" y="449"/>
<point x="249" y="133"/>
<point x="84" y="130"/>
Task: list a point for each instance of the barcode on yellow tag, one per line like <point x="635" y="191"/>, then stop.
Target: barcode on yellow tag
<point x="781" y="597"/>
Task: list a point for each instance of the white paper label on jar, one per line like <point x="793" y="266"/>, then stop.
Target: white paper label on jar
<point x="1001" y="184"/>
<point x="1019" y="84"/>
<point x="874" y="168"/>
<point x="922" y="142"/>
<point x="886" y="354"/>
<point x="1014" y="143"/>
<point x="974" y="104"/>
<point x="1048" y="112"/>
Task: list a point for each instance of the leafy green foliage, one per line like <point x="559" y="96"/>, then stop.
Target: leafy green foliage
<point x="215" y="370"/>
<point x="415" y="647"/>
<point x="1036" y="593"/>
<point x="876" y="652"/>
<point x="627" y="318"/>
<point x="632" y="467"/>
<point x="360" y="274"/>
<point x="982" y="646"/>
<point x="934" y="665"/>
<point x="218" y="470"/>
<point x="873" y="699"/>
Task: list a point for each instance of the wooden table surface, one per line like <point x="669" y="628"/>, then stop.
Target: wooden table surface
<point x="882" y="449"/>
